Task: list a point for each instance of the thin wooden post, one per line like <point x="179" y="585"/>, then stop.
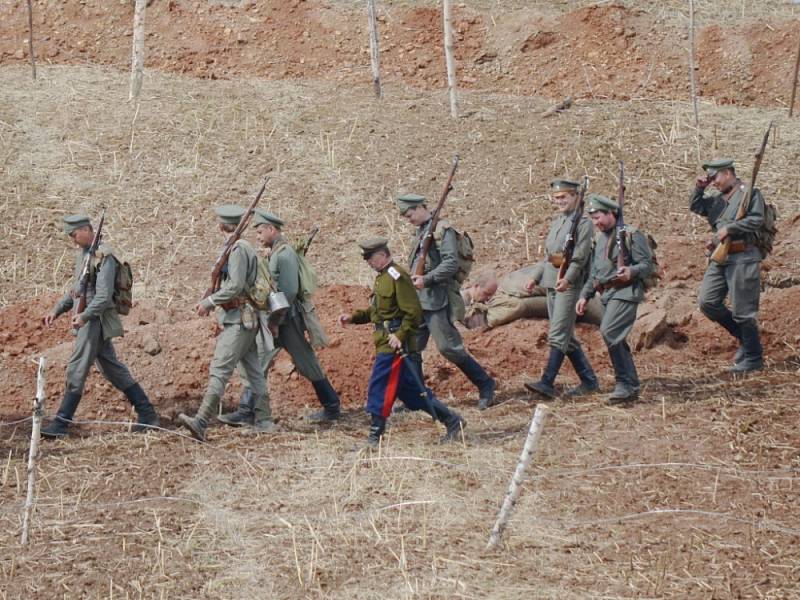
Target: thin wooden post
<point x="528" y="450"/>
<point x="692" y="82"/>
<point x="33" y="454"/>
<point x="137" y="62"/>
<point x="794" y="82"/>
<point x="374" y="50"/>
<point x="30" y="38"/>
<point x="448" y="55"/>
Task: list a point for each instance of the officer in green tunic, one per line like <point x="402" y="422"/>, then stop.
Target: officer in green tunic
<point x="740" y="275"/>
<point x="95" y="327"/>
<point x="621" y="292"/>
<point x="395" y="312"/>
<point x="440" y="295"/>
<point x="237" y="342"/>
<point x="284" y="268"/>
<point x="562" y="293"/>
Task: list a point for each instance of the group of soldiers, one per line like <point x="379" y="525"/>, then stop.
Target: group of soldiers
<point x="407" y="310"/>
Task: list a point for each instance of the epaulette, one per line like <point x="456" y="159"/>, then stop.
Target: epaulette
<point x="393" y="273"/>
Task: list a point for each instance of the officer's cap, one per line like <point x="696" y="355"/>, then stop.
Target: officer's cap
<point x="602" y="203"/>
<point x="229" y="214"/>
<point x="564" y="185"/>
<point x="372" y="245"/>
<point x="263" y="217"/>
<point x="409" y="201"/>
<point x="711" y="167"/>
<point x="73" y="222"/>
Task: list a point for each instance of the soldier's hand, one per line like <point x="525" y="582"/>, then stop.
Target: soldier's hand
<point x="395" y="342"/>
<point x="562" y="285"/>
<point x="343" y="319"/>
<point x="201" y="310"/>
<point x="77" y="322"/>
<point x="49" y="318"/>
<point x="418" y="281"/>
<point x="580" y="307"/>
<point x="722" y="233"/>
<point x="531" y="285"/>
<point x="702" y="181"/>
<point x="624" y="274"/>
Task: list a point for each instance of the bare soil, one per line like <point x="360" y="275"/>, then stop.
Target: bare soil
<point x="690" y="493"/>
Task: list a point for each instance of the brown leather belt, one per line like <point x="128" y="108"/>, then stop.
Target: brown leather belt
<point x="738" y="246"/>
<point x="556" y="260"/>
<point x="235" y="303"/>
<point x="613" y="284"/>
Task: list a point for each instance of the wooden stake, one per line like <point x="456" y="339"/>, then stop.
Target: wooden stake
<point x="514" y="488"/>
<point x="30" y="38"/>
<point x="794" y="82"/>
<point x="448" y="56"/>
<point x="33" y="454"/>
<point x="692" y="83"/>
<point x="137" y="62"/>
<point x="374" y="50"/>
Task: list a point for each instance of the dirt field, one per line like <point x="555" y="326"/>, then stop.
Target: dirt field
<point x="690" y="493"/>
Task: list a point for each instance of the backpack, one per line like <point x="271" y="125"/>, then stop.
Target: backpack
<point x="466" y="249"/>
<point x="309" y="281"/>
<point x="123" y="287"/>
<point x="765" y="236"/>
<point x="652" y="280"/>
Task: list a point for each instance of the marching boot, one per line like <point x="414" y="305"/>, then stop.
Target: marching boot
<point x="198" y="424"/>
<point x="480" y="379"/>
<point x="330" y="403"/>
<point x="59" y="426"/>
<point x="454" y="422"/>
<point x="545" y="385"/>
<point x="262" y="416"/>
<point x="624" y="392"/>
<point x="732" y="327"/>
<point x="147" y="416"/>
<point x="584" y="370"/>
<point x="244" y="415"/>
<point x="376" y="429"/>
<point x="753" y="352"/>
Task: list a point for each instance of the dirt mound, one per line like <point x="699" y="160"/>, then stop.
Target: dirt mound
<point x="598" y="51"/>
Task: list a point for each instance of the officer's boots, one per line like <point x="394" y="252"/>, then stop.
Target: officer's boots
<point x="245" y="414"/>
<point x="753" y="352"/>
<point x="331" y="405"/>
<point x="545" y="385"/>
<point x="584" y="370"/>
<point x="147" y="415"/>
<point x="481" y="379"/>
<point x="626" y="388"/>
<point x="453" y="422"/>
<point x="376" y="429"/>
<point x="60" y="425"/>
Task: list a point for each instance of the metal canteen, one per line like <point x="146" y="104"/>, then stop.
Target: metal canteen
<point x="278" y="304"/>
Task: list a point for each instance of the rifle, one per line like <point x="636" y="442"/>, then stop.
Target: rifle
<point x="222" y="260"/>
<point x="720" y="253"/>
<point x="310" y="239"/>
<point x="572" y="235"/>
<point x="623" y="255"/>
<point x="79" y="304"/>
<point x="427" y="239"/>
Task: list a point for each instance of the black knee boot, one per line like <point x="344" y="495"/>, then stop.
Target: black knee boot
<point x="376" y="429"/>
<point x="753" y="352"/>
<point x="627" y="382"/>
<point x="59" y="426"/>
<point x="584" y="370"/>
<point x="545" y="385"/>
<point x="331" y="405"/>
<point x="245" y="414"/>
<point x="481" y="379"/>
<point x="147" y="416"/>
<point x="454" y="422"/>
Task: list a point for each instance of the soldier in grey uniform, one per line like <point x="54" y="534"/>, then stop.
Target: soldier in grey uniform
<point x="562" y="294"/>
<point x="237" y="342"/>
<point x="621" y="291"/>
<point x="440" y="296"/>
<point x="740" y="275"/>
<point x="284" y="270"/>
<point x="95" y="327"/>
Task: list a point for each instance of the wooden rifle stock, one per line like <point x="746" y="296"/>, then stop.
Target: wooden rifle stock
<point x="216" y="272"/>
<point x="720" y="254"/>
<point x="79" y="304"/>
<point x="427" y="239"/>
<point x="572" y="236"/>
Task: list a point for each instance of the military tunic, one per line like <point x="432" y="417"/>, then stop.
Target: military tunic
<point x="394" y="308"/>
<point x="102" y="324"/>
<point x="561" y="305"/>
<point x="740" y="274"/>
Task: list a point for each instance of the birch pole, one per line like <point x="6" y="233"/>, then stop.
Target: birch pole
<point x="33" y="454"/>
<point x="514" y="488"/>
<point x="692" y="82"/>
<point x="30" y="38"/>
<point x="374" y="50"/>
<point x="137" y="62"/>
<point x="448" y="56"/>
<point x="794" y="82"/>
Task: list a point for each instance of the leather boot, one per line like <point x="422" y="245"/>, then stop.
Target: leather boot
<point x="454" y="422"/>
<point x="59" y="426"/>
<point x="735" y="330"/>
<point x="245" y="414"/>
<point x="584" y="370"/>
<point x="262" y="416"/>
<point x="545" y="385"/>
<point x="624" y="390"/>
<point x="480" y="379"/>
<point x="330" y="403"/>
<point x="376" y="429"/>
<point x="753" y="352"/>
<point x="196" y="425"/>
<point x="147" y="416"/>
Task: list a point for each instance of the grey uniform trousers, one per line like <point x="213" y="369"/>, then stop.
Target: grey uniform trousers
<point x="90" y="347"/>
<point x="619" y="317"/>
<point x="561" y="309"/>
<point x="291" y="335"/>
<point x="742" y="280"/>
<point x="447" y="338"/>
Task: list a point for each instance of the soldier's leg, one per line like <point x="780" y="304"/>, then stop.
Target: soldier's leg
<point x="558" y="343"/>
<point x="618" y="320"/>
<point x="245" y="412"/>
<point x="744" y="282"/>
<point x="262" y="411"/>
<point x="451" y="346"/>
<point x="120" y="377"/>
<point x="87" y="343"/>
<point x="381" y="393"/>
<point x="416" y="396"/>
<point x="711" y="299"/>
<point x="292" y="337"/>
<point x="562" y="336"/>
